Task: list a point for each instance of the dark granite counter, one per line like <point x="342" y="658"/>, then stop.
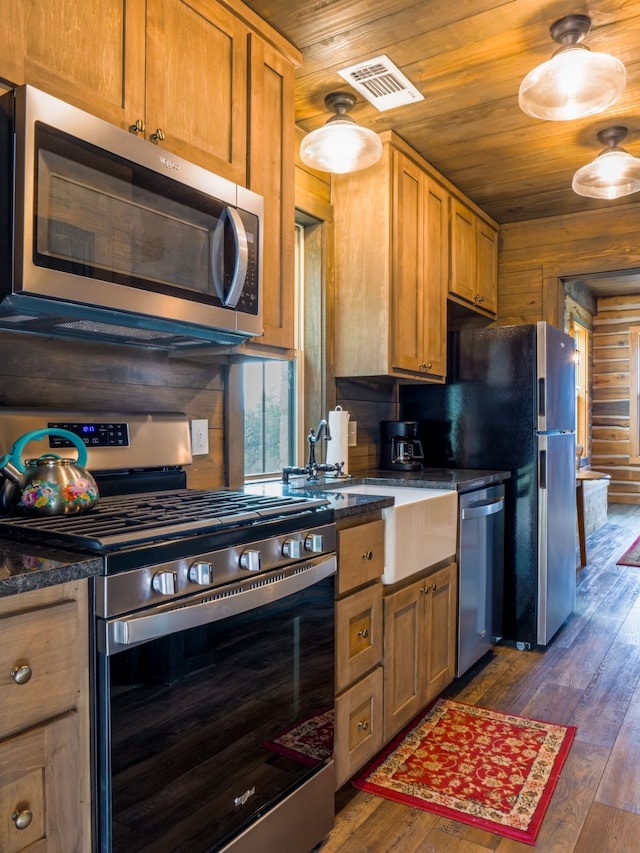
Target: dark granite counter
<point x="24" y="567"/>
<point x="336" y="490"/>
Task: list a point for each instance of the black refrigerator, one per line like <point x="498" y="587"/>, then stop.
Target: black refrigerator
<point x="509" y="404"/>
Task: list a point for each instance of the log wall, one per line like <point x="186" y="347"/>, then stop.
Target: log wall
<point x="612" y="397"/>
<point x="535" y="257"/>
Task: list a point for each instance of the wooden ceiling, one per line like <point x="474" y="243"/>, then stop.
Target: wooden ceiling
<point x="467" y="58"/>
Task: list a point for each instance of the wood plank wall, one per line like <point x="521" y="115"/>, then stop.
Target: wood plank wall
<point x="49" y="372"/>
<point x="611" y="396"/>
<point x="534" y="258"/>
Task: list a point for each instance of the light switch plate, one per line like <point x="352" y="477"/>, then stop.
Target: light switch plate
<point x="200" y="437"/>
<point x="352" y="433"/>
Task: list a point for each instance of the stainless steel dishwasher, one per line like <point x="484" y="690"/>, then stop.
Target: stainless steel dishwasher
<point x="481" y="571"/>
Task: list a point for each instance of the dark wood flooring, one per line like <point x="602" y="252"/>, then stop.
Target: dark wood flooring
<point x="589" y="676"/>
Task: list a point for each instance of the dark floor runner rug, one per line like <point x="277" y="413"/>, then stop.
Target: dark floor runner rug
<point x="491" y="770"/>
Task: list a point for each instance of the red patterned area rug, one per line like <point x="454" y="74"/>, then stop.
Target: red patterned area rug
<point x="309" y="741"/>
<point x="632" y="556"/>
<point x="491" y="770"/>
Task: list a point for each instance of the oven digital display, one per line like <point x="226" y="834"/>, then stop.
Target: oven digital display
<point x="94" y="434"/>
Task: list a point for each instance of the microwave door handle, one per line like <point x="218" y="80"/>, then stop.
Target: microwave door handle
<point x="230" y="300"/>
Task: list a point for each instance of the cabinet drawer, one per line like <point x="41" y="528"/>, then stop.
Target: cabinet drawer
<point x="358" y="734"/>
<point x="40" y="648"/>
<point x="360" y="555"/>
<point x="359" y="634"/>
<point x="37" y="770"/>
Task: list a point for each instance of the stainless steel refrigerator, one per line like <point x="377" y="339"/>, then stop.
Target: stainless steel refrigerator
<point x="509" y="404"/>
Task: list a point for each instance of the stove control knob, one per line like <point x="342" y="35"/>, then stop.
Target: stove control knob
<point x="165" y="583"/>
<point x="292" y="548"/>
<point x="314" y="542"/>
<point x="250" y="560"/>
<point x="201" y="573"/>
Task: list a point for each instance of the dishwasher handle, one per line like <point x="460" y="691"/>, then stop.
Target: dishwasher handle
<point x="482" y="509"/>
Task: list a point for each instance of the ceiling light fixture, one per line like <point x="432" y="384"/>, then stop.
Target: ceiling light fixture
<point x="613" y="174"/>
<point x="340" y="145"/>
<point x="576" y="81"/>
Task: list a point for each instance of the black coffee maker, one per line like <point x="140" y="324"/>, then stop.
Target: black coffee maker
<point x="400" y="448"/>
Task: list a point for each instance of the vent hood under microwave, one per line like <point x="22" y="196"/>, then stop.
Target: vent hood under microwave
<point x="106" y="236"/>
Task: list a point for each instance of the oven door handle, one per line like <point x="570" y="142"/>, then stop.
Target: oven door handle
<point x="123" y="633"/>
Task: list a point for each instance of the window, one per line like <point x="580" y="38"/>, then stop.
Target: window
<point x="581" y="338"/>
<point x="283" y="399"/>
<point x="269" y="431"/>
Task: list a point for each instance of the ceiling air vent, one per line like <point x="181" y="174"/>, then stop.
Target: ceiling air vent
<point x="381" y="83"/>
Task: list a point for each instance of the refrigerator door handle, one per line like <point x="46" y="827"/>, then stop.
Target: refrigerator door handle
<point x="542" y="472"/>
<point x="541" y="397"/>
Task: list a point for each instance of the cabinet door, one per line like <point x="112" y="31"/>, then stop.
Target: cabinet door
<point x="403" y="658"/>
<point x="487" y="264"/>
<point x="440" y="604"/>
<point x="37" y="773"/>
<point x="359" y="634"/>
<point x="90" y="54"/>
<point x="39" y="664"/>
<point x="360" y="555"/>
<point x="358" y="732"/>
<point x="463" y="252"/>
<point x="436" y="254"/>
<point x="271" y="173"/>
<point x="408" y="264"/>
<point x="196" y="83"/>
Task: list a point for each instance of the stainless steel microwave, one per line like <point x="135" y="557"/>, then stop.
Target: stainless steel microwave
<point x="108" y="236"/>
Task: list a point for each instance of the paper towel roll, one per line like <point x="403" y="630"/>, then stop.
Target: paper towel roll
<point x="337" y="448"/>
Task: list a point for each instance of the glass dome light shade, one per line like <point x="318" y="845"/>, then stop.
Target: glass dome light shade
<point x="574" y="83"/>
<point x="341" y="146"/>
<point x="613" y="174"/>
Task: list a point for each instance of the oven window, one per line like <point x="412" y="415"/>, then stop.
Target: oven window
<point x="210" y="727"/>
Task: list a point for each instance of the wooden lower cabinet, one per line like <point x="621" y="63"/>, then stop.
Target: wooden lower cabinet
<point x="45" y="796"/>
<point x="358" y="733"/>
<point x="419" y="645"/>
<point x="359" y="635"/>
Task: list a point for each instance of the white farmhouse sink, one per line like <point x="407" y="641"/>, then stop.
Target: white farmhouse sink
<point x="420" y="528"/>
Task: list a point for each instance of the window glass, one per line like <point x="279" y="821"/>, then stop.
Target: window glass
<point x="269" y="428"/>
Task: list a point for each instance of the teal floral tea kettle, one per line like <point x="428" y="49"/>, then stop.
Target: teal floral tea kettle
<point x="48" y="485"/>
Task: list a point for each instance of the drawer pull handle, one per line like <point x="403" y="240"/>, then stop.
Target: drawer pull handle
<point x="364" y="633"/>
<point x="363" y="725"/>
<point x="368" y="555"/>
<point x="22" y="818"/>
<point x="21" y="673"/>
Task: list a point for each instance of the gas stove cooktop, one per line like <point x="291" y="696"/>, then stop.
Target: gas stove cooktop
<point x="128" y="520"/>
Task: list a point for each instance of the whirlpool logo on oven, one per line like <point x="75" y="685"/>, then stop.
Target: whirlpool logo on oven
<point x="243" y="798"/>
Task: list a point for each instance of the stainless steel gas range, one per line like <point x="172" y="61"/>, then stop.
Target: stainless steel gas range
<point x="213" y="633"/>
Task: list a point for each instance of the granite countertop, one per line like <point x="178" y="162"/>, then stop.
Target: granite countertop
<point x="24" y="567"/>
<point x="336" y="490"/>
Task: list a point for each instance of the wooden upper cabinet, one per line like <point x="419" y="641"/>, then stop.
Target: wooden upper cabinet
<point x="271" y="173"/>
<point x="90" y="54"/>
<point x="196" y="83"/>
<point x="391" y="270"/>
<point x="419" y="257"/>
<point x="474" y="258"/>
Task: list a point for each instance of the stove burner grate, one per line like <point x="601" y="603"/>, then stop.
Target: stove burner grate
<point x="121" y="521"/>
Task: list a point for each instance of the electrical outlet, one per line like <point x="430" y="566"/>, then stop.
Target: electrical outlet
<point x="352" y="433"/>
<point x="200" y="437"/>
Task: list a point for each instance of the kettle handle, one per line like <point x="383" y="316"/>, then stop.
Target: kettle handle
<point x="16" y="451"/>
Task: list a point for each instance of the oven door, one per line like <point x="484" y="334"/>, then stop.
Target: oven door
<point x="212" y="710"/>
